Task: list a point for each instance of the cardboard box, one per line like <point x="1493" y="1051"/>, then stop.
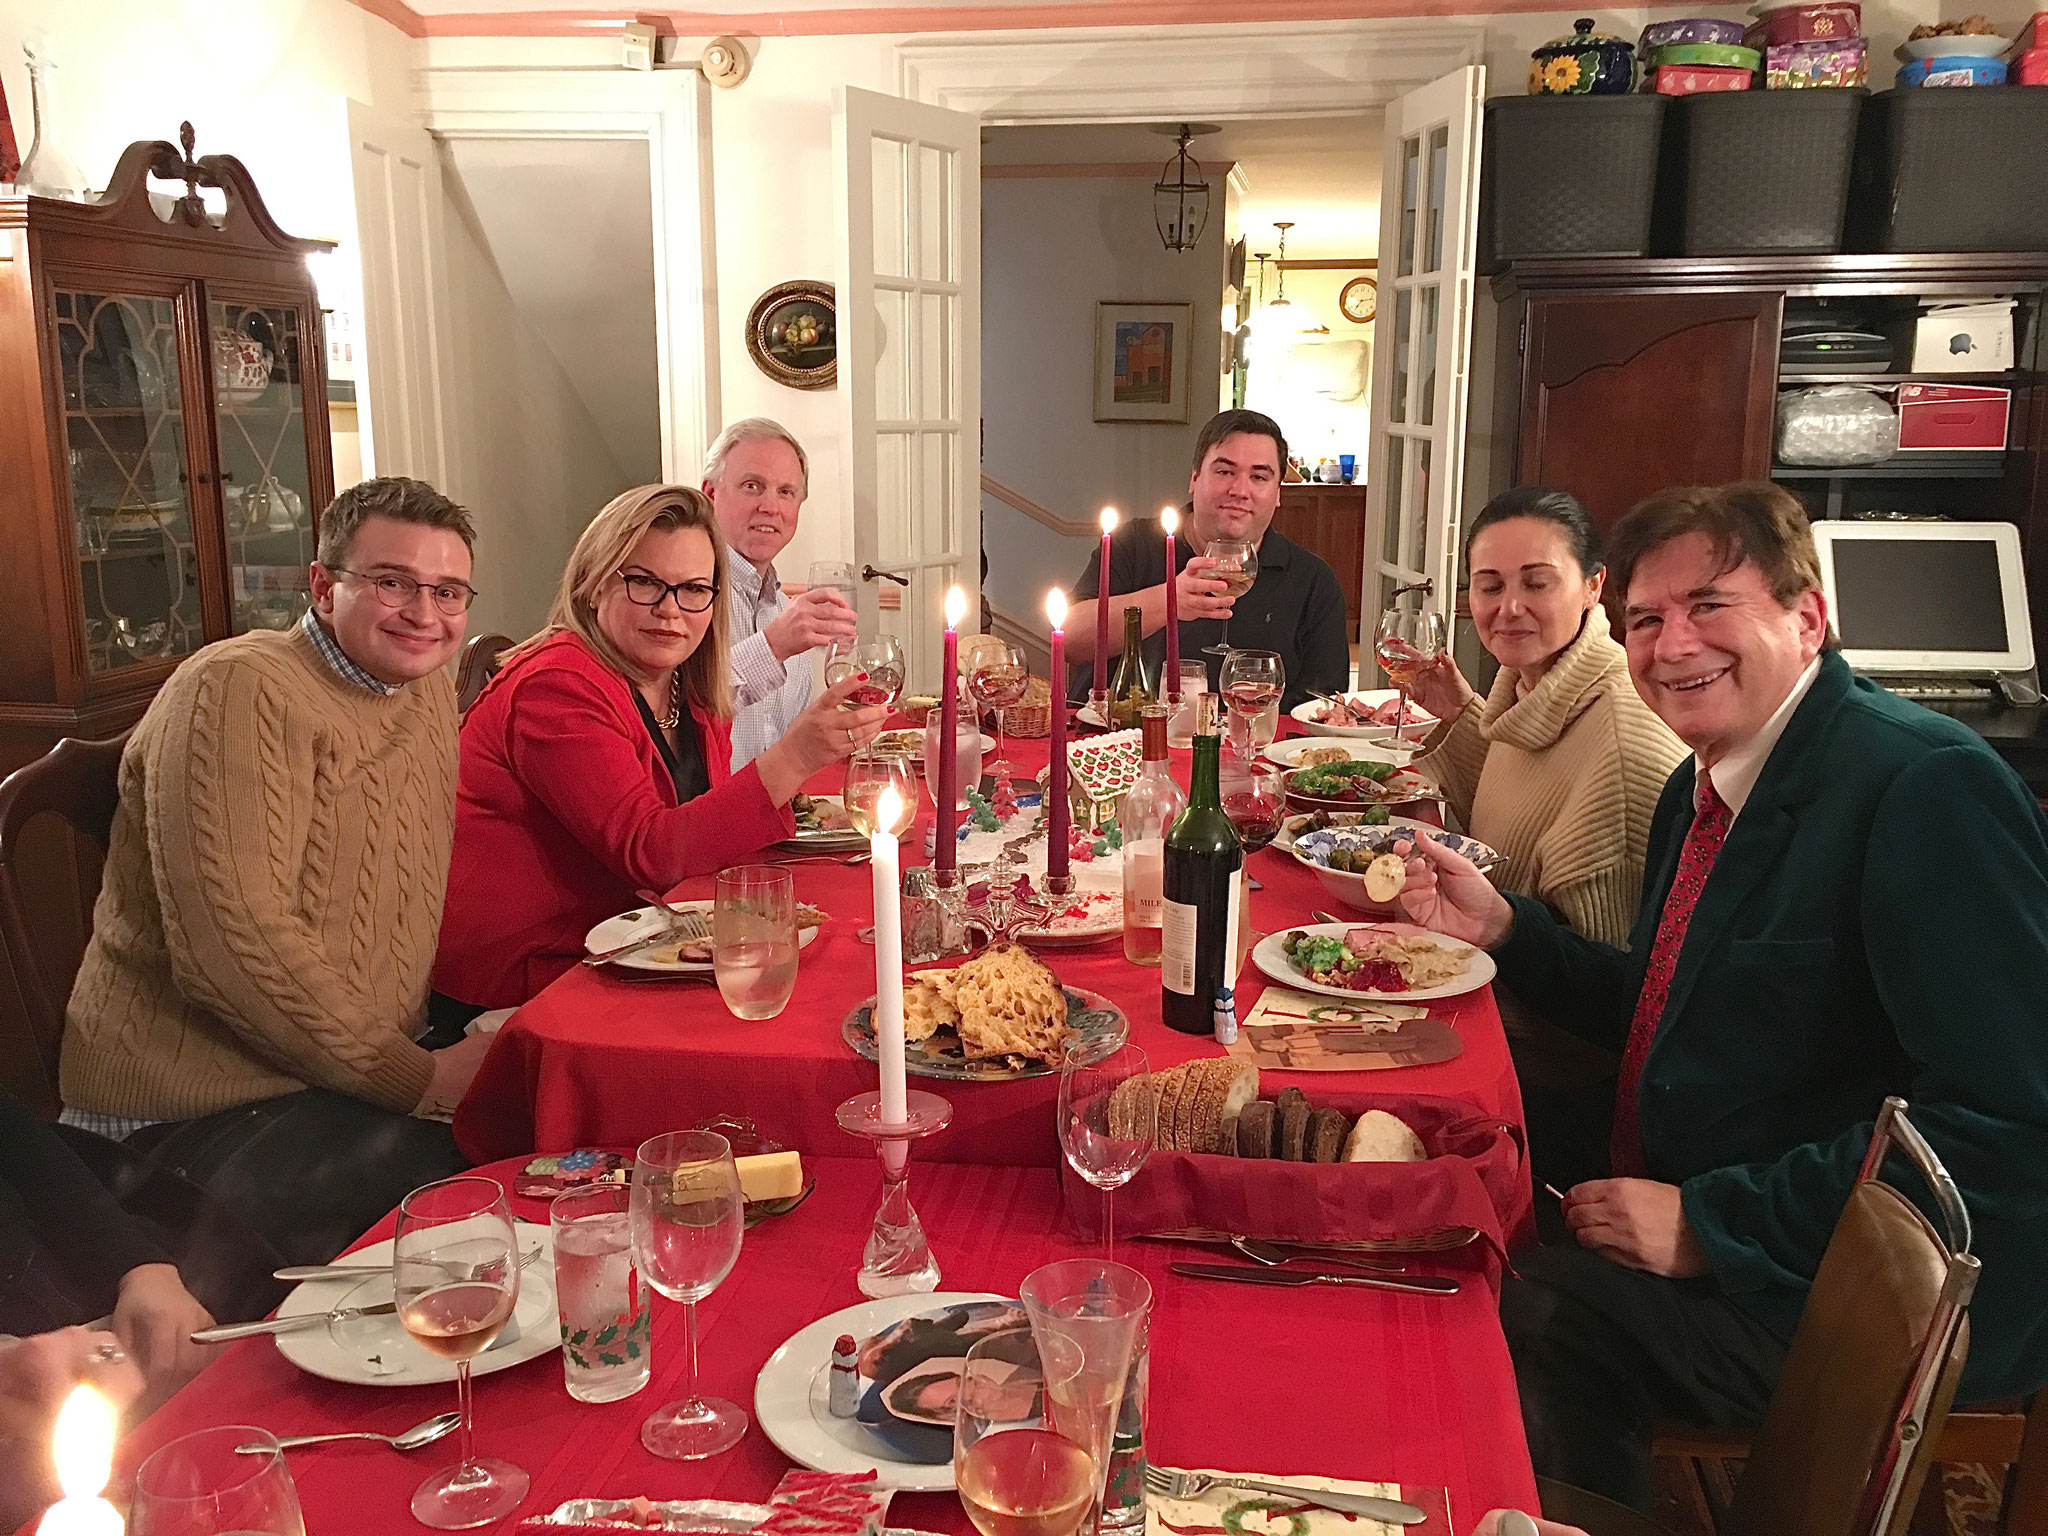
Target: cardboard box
<point x="1690" y="79"/>
<point x="1960" y="338"/>
<point x="1952" y="417"/>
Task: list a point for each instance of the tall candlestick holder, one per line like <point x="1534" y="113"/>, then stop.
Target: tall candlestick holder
<point x="1009" y="901"/>
<point x="897" y="1260"/>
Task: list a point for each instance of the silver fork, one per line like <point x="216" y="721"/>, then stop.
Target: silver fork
<point x="1175" y="1484"/>
<point x="350" y="1271"/>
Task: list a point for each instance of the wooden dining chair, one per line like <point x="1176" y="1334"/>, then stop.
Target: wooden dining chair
<point x="78" y="781"/>
<point x="1848" y="1440"/>
<point x="479" y="664"/>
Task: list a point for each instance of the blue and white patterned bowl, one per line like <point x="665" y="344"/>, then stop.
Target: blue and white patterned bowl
<point x="1314" y="849"/>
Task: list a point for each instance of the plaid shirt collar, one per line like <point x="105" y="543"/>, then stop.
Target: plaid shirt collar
<point x="331" y="652"/>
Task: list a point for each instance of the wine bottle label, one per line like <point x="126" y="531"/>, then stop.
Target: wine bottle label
<point x="1231" y="928"/>
<point x="1177" y="947"/>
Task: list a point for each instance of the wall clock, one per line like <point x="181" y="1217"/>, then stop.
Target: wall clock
<point x="1360" y="299"/>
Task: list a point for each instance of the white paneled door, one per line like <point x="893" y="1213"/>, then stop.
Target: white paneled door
<point x="397" y="176"/>
<point x="1422" y="342"/>
<point x="910" y="357"/>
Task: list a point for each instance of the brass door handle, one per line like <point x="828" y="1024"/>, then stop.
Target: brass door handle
<point x="869" y="573"/>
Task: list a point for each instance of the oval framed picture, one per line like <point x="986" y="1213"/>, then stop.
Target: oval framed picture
<point x="793" y="334"/>
<point x="1360" y="299"/>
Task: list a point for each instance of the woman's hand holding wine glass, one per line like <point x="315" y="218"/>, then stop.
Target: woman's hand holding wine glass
<point x="1410" y="640"/>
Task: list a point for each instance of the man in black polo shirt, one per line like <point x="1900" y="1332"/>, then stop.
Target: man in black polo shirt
<point x="1295" y="608"/>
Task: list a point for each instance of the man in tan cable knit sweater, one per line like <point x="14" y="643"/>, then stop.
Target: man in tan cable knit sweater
<point x="248" y="1008"/>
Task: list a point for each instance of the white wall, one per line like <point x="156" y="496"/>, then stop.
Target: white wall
<point x="1051" y="248"/>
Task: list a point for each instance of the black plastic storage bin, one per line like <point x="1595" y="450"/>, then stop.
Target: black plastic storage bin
<point x="1951" y="170"/>
<point x="1753" y="173"/>
<point x="1567" y="176"/>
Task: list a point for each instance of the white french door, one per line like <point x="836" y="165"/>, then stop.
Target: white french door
<point x="397" y="182"/>
<point x="910" y="357"/>
<point x="1422" y="342"/>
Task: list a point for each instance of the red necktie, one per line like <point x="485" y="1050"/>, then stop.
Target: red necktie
<point x="1695" y="862"/>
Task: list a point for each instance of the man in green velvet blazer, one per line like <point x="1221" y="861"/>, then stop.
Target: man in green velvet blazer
<point x="1873" y="921"/>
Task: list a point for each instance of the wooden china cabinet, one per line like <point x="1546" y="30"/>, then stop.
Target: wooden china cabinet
<point x="162" y="427"/>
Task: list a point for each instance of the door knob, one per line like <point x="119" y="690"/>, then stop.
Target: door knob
<point x="869" y="573"/>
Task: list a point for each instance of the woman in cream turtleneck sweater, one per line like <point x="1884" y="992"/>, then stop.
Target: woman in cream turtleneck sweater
<point x="1560" y="766"/>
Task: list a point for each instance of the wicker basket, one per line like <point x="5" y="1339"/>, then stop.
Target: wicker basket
<point x="1031" y="715"/>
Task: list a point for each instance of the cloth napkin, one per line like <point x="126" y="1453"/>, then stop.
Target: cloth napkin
<point x="1244" y="1512"/>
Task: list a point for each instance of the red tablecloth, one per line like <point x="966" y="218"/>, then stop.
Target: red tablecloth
<point x="1340" y="1382"/>
<point x="598" y="1061"/>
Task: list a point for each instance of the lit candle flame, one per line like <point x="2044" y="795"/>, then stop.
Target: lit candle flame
<point x="1056" y="608"/>
<point x="888" y="809"/>
<point x="1169" y="519"/>
<point x="83" y="1447"/>
<point x="956" y="607"/>
<point x="1109" y="520"/>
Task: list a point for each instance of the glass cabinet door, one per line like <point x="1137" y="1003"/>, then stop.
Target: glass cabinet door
<point x="125" y="442"/>
<point x="258" y="348"/>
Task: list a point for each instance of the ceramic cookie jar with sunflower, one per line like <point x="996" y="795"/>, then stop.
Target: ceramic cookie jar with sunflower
<point x="1585" y="63"/>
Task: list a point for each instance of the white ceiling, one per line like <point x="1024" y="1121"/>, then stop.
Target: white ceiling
<point x="1321" y="172"/>
<point x="570" y="225"/>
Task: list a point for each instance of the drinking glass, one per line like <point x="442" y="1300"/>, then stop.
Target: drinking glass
<point x="997" y="680"/>
<point x="881" y="658"/>
<point x="1098" y="1308"/>
<point x="868" y="773"/>
<point x="687" y="1217"/>
<point x="1194" y="682"/>
<point x="1253" y="792"/>
<point x="1017" y="1475"/>
<point x="753" y="940"/>
<point x="836" y="574"/>
<point x="1107" y="1149"/>
<point x="1410" y="638"/>
<point x="455" y="1277"/>
<point x="1251" y="685"/>
<point x="227" y="1481"/>
<point x="607" y="1322"/>
<point x="966" y="751"/>
<point x="1237" y="567"/>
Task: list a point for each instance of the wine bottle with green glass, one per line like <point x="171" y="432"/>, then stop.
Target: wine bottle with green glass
<point x="1132" y="686"/>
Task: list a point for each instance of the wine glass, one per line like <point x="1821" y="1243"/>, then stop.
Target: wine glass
<point x="880" y="658"/>
<point x="687" y="1215"/>
<point x="754" y="940"/>
<point x="1410" y="639"/>
<point x="997" y="680"/>
<point x="1237" y="567"/>
<point x="1107" y="1144"/>
<point x="1253" y="792"/>
<point x="455" y="1277"/>
<point x="1014" y="1471"/>
<point x="869" y="772"/>
<point x="1251" y="684"/>
<point x="230" y="1480"/>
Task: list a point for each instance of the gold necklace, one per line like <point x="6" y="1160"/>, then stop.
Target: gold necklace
<point x="674" y="717"/>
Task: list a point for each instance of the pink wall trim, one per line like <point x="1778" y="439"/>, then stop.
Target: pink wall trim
<point x="913" y="19"/>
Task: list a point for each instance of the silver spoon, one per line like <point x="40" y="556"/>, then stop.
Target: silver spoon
<point x="420" y="1434"/>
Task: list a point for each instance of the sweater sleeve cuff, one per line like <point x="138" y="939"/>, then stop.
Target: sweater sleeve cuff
<point x="400" y="1081"/>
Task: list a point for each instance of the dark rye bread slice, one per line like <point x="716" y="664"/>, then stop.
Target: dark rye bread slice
<point x="1326" y="1128"/>
<point x="1255" y="1126"/>
<point x="1291" y="1141"/>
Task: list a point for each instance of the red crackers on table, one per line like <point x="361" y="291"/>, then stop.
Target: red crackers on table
<point x="808" y="1503"/>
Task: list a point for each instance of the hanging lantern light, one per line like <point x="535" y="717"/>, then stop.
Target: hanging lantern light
<point x="1180" y="198"/>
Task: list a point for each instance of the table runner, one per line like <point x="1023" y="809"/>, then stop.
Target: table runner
<point x="1339" y="1382"/>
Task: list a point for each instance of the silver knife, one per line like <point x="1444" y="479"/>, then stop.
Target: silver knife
<point x="1420" y="1285"/>
<point x="227" y="1331"/>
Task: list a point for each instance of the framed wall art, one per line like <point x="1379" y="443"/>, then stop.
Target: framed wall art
<point x="793" y="334"/>
<point x="1141" y="361"/>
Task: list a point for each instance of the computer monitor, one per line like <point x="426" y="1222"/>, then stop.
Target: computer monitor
<point x="1932" y="597"/>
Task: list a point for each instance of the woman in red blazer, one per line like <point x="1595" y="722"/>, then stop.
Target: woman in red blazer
<point x="598" y="761"/>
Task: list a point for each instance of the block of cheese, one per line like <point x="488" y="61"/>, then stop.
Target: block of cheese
<point x="771" y="1175"/>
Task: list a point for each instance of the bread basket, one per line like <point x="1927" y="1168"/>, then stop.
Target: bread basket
<point x="1031" y="715"/>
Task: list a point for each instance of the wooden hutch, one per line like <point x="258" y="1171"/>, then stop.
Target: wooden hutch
<point x="1617" y="377"/>
<point x="163" y="422"/>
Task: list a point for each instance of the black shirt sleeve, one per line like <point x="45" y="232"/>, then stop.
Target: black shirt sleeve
<point x="1324" y="637"/>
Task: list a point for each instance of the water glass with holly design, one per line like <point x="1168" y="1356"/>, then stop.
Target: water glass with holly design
<point x="607" y="1319"/>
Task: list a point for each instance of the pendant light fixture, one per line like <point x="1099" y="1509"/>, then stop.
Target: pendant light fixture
<point x="1283" y="315"/>
<point x="1180" y="198"/>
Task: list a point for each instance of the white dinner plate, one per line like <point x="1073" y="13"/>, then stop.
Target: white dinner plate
<point x="1270" y="958"/>
<point x="1289" y="753"/>
<point x="645" y="923"/>
<point x="1309" y="716"/>
<point x="378" y="1352"/>
<point x="790" y="1397"/>
<point x="839" y="839"/>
